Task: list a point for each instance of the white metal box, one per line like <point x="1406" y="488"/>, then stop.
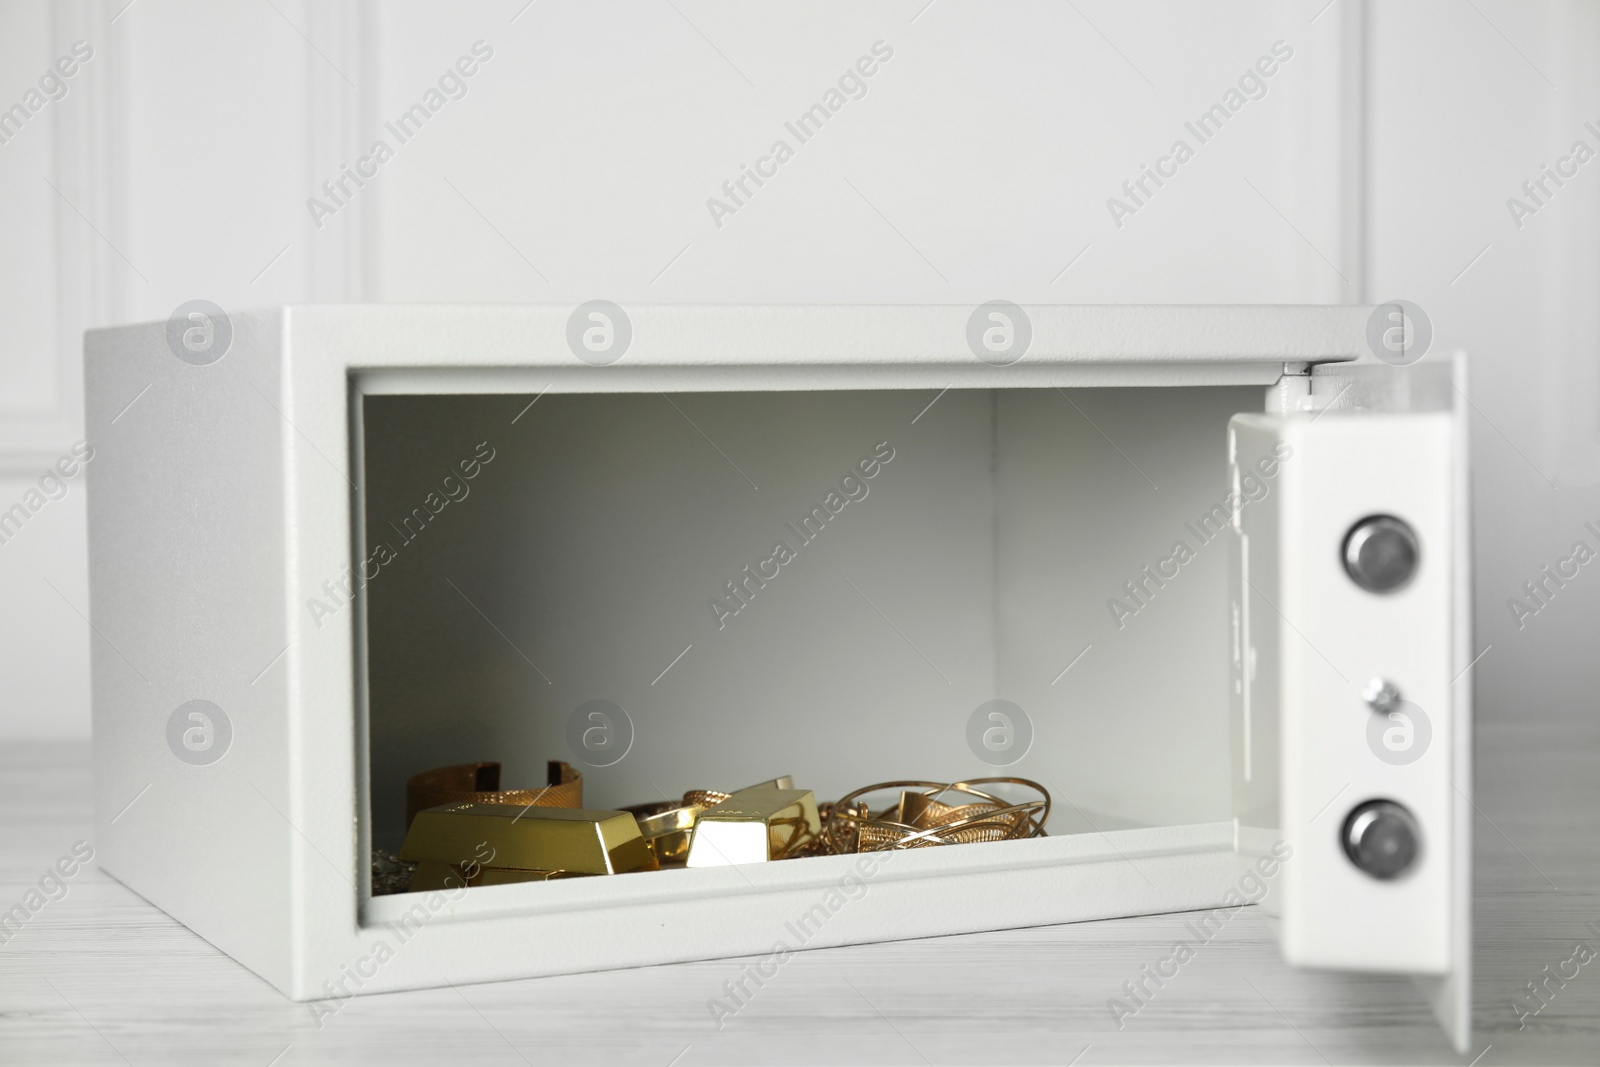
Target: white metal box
<point x="1057" y="495"/>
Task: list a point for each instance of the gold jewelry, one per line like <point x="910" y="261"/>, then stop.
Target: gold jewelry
<point x="528" y="841"/>
<point x="705" y="798"/>
<point x="918" y="820"/>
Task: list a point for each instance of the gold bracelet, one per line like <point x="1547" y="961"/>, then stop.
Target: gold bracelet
<point x="705" y="798"/>
<point x="917" y="819"/>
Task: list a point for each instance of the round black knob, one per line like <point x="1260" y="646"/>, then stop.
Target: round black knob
<point x="1381" y="553"/>
<point x="1381" y="838"/>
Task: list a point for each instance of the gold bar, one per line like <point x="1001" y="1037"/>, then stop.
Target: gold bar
<point x="668" y="828"/>
<point x="668" y="825"/>
<point x="528" y="838"/>
<point x="755" y="825"/>
<point x="430" y="876"/>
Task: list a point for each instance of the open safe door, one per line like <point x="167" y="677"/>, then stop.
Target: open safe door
<point x="1351" y="695"/>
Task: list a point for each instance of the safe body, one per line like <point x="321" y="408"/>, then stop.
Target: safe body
<point x="1197" y="714"/>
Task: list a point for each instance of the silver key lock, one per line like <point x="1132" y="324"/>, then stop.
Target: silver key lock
<point x="1381" y="838"/>
<point x="1381" y="553"/>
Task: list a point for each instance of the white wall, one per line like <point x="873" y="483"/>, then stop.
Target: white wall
<point x="978" y="165"/>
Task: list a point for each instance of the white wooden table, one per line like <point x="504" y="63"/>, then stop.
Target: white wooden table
<point x="100" y="976"/>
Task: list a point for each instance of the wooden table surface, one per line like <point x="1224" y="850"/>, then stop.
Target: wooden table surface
<point x="100" y="976"/>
